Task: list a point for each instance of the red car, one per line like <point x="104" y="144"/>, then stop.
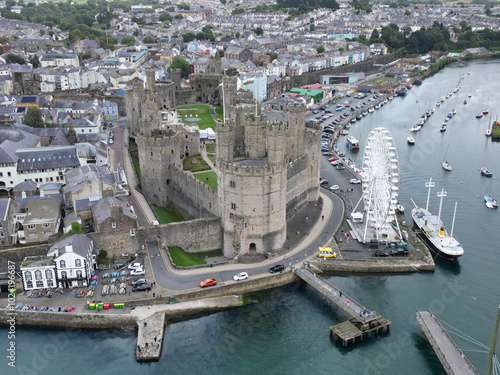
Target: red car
<point x="346" y="106"/>
<point x="332" y="159"/>
<point x="208" y="282"/>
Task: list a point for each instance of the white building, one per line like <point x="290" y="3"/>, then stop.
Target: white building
<point x="38" y="272"/>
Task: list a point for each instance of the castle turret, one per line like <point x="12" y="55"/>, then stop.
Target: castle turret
<point x="225" y="141"/>
<point x="276" y="143"/>
<point x="255" y="137"/>
<point x="150" y="79"/>
<point x="296" y="125"/>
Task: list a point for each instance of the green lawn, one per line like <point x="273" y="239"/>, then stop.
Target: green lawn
<point x="135" y="162"/>
<point x="183" y="259"/>
<point x="212" y="158"/>
<point x="209" y="178"/>
<point x="195" y="163"/>
<point x="220" y="113"/>
<point x="203" y="112"/>
<point x="210" y="147"/>
<point x="167" y="215"/>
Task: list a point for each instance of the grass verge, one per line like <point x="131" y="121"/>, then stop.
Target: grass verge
<point x="167" y="215"/>
<point x="209" y="178"/>
<point x="210" y="147"/>
<point x="219" y="112"/>
<point x="135" y="163"/>
<point x="183" y="259"/>
<point x="212" y="158"/>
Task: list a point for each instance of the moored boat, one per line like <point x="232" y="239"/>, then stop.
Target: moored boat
<point x="416" y="128"/>
<point x="479" y="115"/>
<point x="352" y="143"/>
<point x="485" y="172"/>
<point x="486" y="111"/>
<point x="443" y="128"/>
<point x="431" y="230"/>
<point x="446" y="166"/>
<point x="410" y="140"/>
<point x="487" y="132"/>
<point x="490" y="201"/>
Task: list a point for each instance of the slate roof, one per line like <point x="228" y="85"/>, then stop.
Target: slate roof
<point x="42" y="210"/>
<point x="77" y="178"/>
<point x="71" y="218"/>
<point x="102" y="208"/>
<point x="31" y="159"/>
<point x="80" y="243"/>
<point x="4" y="205"/>
<point x="26" y="186"/>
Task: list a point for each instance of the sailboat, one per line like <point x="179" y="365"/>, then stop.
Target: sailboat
<point x="446" y="166"/>
<point x="486" y="111"/>
<point x="489" y="200"/>
<point x="488" y="131"/>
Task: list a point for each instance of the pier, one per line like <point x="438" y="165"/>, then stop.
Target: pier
<point x="150" y="337"/>
<point x="363" y="323"/>
<point x="451" y="357"/>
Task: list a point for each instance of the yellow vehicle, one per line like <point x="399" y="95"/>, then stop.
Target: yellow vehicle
<point x="326" y="252"/>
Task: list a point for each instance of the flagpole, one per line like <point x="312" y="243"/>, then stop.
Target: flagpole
<point x="223" y="110"/>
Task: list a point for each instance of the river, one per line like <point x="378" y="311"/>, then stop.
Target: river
<point x="288" y="331"/>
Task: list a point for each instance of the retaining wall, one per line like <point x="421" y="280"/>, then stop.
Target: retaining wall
<point x="375" y="266"/>
<point x="17" y="254"/>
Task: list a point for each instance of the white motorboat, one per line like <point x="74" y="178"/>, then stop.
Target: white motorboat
<point x="400" y="208"/>
<point x="446" y="166"/>
<point x="416" y="128"/>
<point x="410" y="140"/>
<point x="490" y="201"/>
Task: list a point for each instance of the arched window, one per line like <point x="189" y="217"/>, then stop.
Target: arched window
<point x="79" y="274"/>
<point x="48" y="274"/>
<point x="27" y="275"/>
<point x="38" y="275"/>
<point x="62" y="264"/>
<point x="78" y="263"/>
<point x="64" y="275"/>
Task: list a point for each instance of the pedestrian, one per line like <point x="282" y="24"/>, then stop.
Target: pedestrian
<point x="138" y="348"/>
<point x="340" y="239"/>
<point x="155" y="339"/>
<point x="322" y="217"/>
<point x="340" y="294"/>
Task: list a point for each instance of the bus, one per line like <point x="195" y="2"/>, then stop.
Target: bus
<point x="326" y="252"/>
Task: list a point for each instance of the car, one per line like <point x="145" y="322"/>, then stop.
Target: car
<point x="155" y="222"/>
<point x="324" y="182"/>
<point x="334" y="187"/>
<point x="328" y="153"/>
<point x="399" y="252"/>
<point x="340" y="167"/>
<point x="138" y="282"/>
<point x="381" y="253"/>
<point x="277" y="268"/>
<point x="347" y="106"/>
<point x="354" y="181"/>
<point x="328" y="111"/>
<point x="134" y="266"/>
<point x="315" y="112"/>
<point x="110" y="141"/>
<point x="348" y="95"/>
<point x="208" y="282"/>
<point x="332" y="159"/>
<point x="335" y="163"/>
<point x="339" y="109"/>
<point x="141" y="287"/>
<point x="138" y="272"/>
<point x="240" y="276"/>
<point x="110" y="125"/>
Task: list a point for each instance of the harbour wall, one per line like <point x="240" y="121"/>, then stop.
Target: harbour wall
<point x="375" y="266"/>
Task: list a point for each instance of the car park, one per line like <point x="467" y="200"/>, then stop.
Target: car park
<point x="138" y="282"/>
<point x="142" y="287"/>
<point x="277" y="268"/>
<point x="240" y="276"/>
<point x="354" y="181"/>
<point x="208" y="282"/>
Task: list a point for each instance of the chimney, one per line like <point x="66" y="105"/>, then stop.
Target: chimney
<point x="69" y="248"/>
<point x="44" y="127"/>
<point x="56" y="252"/>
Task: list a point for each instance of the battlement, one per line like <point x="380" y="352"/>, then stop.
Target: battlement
<point x="295" y="107"/>
<point x="313" y="126"/>
<point x="250" y="171"/>
<point x="158" y="138"/>
<point x="276" y="127"/>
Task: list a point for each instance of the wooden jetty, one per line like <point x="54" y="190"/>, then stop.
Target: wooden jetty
<point x="363" y="323"/>
<point x="449" y="354"/>
<point x="150" y="337"/>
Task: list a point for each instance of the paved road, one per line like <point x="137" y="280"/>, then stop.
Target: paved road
<point x="174" y="280"/>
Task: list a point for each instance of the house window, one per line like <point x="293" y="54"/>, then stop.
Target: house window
<point x="78" y="263"/>
<point x="29" y="284"/>
<point x="132" y="232"/>
<point x="31" y="226"/>
<point x="38" y="275"/>
<point x="50" y="284"/>
<point x="27" y="275"/>
<point x="233" y="206"/>
<point x="46" y="225"/>
<point x="79" y="274"/>
<point x="9" y="174"/>
<point x="48" y="274"/>
<point x="232" y="184"/>
<point x="113" y="225"/>
<point x="64" y="275"/>
<point x="62" y="264"/>
<point x="39" y="283"/>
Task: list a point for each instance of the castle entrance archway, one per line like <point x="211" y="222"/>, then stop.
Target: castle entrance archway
<point x="252" y="248"/>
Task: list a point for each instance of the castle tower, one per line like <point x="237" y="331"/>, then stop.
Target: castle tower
<point x="276" y="143"/>
<point x="296" y="126"/>
<point x="255" y="137"/>
<point x="225" y="141"/>
<point x="229" y="88"/>
<point x="175" y="75"/>
<point x="150" y="79"/>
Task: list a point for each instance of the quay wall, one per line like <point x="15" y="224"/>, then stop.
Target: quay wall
<point x="375" y="266"/>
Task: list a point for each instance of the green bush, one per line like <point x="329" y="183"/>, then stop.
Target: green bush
<point x="195" y="163"/>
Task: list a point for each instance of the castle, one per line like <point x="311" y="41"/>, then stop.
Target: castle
<point x="267" y="165"/>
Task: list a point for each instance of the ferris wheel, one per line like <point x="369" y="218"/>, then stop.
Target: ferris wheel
<point x="380" y="178"/>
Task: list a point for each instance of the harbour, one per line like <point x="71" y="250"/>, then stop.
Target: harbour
<point x="454" y="292"/>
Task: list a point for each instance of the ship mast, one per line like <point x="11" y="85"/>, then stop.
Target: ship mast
<point x="430" y="185"/>
<point x="493" y="346"/>
<point x="441" y="195"/>
<point x="453" y="224"/>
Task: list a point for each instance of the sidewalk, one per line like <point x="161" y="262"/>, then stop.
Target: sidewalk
<point x="316" y="230"/>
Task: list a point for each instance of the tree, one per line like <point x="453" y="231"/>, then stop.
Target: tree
<point x="223" y="2"/>
<point x="35" y="61"/>
<point x="166" y="17"/>
<point x="178" y="62"/>
<point x="178" y="17"/>
<point x="311" y="27"/>
<point x="42" y="32"/>
<point x="188" y="37"/>
<point x="231" y="71"/>
<point x="237" y="35"/>
<point x="320" y="49"/>
<point x="128" y="40"/>
<point x="238" y="11"/>
<point x="148" y="40"/>
<point x="407" y="12"/>
<point x="258" y="31"/>
<point x="362" y="39"/>
<point x="33" y="116"/>
<point x="14" y="59"/>
<point x="375" y="34"/>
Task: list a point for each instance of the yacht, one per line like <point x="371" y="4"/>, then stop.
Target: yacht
<point x="446" y="166"/>
<point x="490" y="201"/>
<point x="410" y="140"/>
<point x="485" y="172"/>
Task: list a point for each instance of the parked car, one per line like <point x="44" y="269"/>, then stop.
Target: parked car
<point x="134" y="266"/>
<point x="381" y="253"/>
<point x="335" y="163"/>
<point x="340" y="167"/>
<point x="110" y="141"/>
<point x="324" y="182"/>
<point x="354" y="181"/>
<point x="110" y="125"/>
<point x="137" y="272"/>
<point x="334" y="187"/>
<point x="142" y="287"/>
<point x="328" y="153"/>
<point x="399" y="252"/>
<point x="240" y="276"/>
<point x="208" y="282"/>
<point x="277" y="268"/>
<point x="332" y="159"/>
<point x="138" y="282"/>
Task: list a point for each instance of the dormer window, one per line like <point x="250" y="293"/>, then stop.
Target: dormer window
<point x="113" y="225"/>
